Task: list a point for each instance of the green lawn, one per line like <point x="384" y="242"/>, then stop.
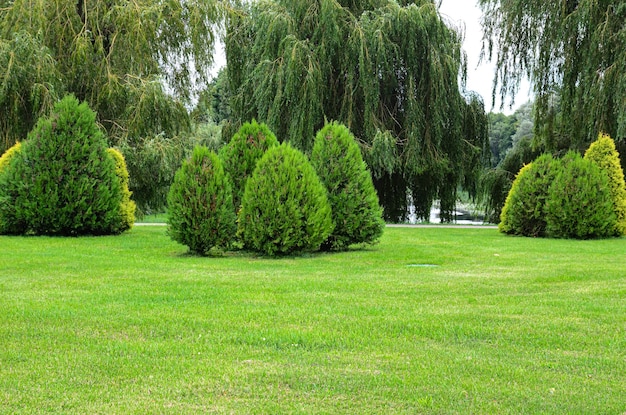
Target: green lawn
<point x="433" y="321"/>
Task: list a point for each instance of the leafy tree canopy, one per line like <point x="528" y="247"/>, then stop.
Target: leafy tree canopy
<point x="389" y="70"/>
<point x="574" y="52"/>
<point x="117" y="55"/>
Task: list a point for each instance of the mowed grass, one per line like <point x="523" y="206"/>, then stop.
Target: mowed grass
<point x="432" y="321"/>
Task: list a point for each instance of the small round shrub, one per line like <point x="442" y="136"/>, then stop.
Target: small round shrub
<point x="242" y="153"/>
<point x="604" y="154"/>
<point x="579" y="203"/>
<point x="524" y="209"/>
<point x="63" y="182"/>
<point x="200" y="207"/>
<point x="8" y="155"/>
<point x="284" y="208"/>
<point x="357" y="215"/>
<point x="127" y="207"/>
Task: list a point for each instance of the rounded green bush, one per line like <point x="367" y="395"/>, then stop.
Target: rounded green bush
<point x="524" y="209"/>
<point x="200" y="207"/>
<point x="579" y="203"/>
<point x="604" y="154"/>
<point x="63" y="181"/>
<point x="127" y="207"/>
<point x="242" y="153"/>
<point x="284" y="208"/>
<point x="357" y="215"/>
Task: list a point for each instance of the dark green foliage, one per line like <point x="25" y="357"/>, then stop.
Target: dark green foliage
<point x="580" y="204"/>
<point x="63" y="181"/>
<point x="284" y="208"/>
<point x="501" y="130"/>
<point x="603" y="153"/>
<point x="392" y="193"/>
<point x="242" y="153"/>
<point x="387" y="69"/>
<point x="200" y="209"/>
<point x="356" y="213"/>
<point x="127" y="207"/>
<point x="524" y="210"/>
<point x="152" y="164"/>
<point x="495" y="184"/>
<point x="214" y="102"/>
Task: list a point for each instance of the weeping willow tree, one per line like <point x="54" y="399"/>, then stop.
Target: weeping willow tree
<point x="389" y="70"/>
<point x="134" y="62"/>
<point x="116" y="55"/>
<point x="574" y="52"/>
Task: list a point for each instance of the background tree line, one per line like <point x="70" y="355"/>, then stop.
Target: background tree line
<point x="391" y="70"/>
<point x="135" y="63"/>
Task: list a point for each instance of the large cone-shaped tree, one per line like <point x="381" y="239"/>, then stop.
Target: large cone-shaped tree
<point x="63" y="180"/>
<point x="389" y="70"/>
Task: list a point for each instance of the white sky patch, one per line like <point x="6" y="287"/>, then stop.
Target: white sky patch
<point x="479" y="75"/>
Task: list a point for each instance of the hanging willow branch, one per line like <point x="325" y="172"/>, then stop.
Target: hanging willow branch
<point x="574" y="50"/>
<point x="389" y="70"/>
<point x="113" y="53"/>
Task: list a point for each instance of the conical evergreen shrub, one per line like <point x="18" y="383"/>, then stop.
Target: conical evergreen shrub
<point x="524" y="209"/>
<point x="284" y="208"/>
<point x="63" y="181"/>
<point x="579" y="203"/>
<point x="242" y="153"/>
<point x="200" y="207"/>
<point x="357" y="215"/>
<point x="604" y="154"/>
<point x="127" y="207"/>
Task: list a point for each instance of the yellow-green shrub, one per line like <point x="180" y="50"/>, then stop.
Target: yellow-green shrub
<point x="284" y="208"/>
<point x="127" y="207"/>
<point x="6" y="157"/>
<point x="524" y="210"/>
<point x="604" y="154"/>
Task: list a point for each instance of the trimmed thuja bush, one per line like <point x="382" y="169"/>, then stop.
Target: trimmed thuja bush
<point x="603" y="153"/>
<point x="242" y="153"/>
<point x="62" y="181"/>
<point x="284" y="208"/>
<point x="357" y="215"/>
<point x="524" y="209"/>
<point x="566" y="198"/>
<point x="127" y="206"/>
<point x="200" y="207"/>
<point x="579" y="203"/>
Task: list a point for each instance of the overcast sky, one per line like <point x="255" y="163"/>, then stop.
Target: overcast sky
<point x="479" y="77"/>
